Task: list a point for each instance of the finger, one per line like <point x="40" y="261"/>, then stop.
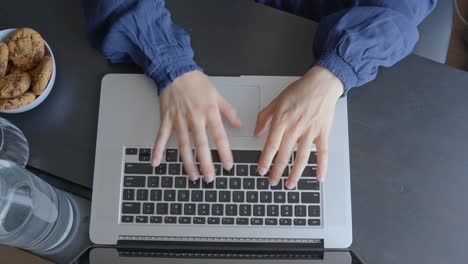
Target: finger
<point x="263" y="120"/>
<point x="282" y="159"/>
<point x="271" y="147"/>
<point x="203" y="151"/>
<point x="300" y="161"/>
<point x="185" y="150"/>
<point x="164" y="133"/>
<point x="218" y="134"/>
<point x="322" y="156"/>
<point x="229" y="112"/>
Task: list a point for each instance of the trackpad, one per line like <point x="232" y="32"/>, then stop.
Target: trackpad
<point x="246" y="100"/>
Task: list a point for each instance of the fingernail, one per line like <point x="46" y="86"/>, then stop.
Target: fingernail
<point x="273" y="183"/>
<point x="154" y="163"/>
<point x="229" y="166"/>
<point x="262" y="171"/>
<point x="289" y="185"/>
<point x="209" y="178"/>
<point x="194" y="176"/>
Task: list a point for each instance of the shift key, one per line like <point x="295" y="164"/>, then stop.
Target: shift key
<point x="138" y="168"/>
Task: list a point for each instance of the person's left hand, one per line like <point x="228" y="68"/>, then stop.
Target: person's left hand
<point x="303" y="113"/>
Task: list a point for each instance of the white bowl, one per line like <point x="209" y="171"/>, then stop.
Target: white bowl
<point x="4" y="34"/>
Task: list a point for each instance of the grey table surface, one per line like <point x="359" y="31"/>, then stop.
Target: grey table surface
<point x="408" y="144"/>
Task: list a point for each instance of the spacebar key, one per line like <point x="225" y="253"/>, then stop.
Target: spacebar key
<point x="138" y="168"/>
<point x="246" y="156"/>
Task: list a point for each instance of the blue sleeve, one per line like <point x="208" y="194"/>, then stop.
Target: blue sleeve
<point x="353" y="43"/>
<point x="140" y="31"/>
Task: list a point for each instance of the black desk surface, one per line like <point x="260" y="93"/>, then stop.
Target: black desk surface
<point x="408" y="128"/>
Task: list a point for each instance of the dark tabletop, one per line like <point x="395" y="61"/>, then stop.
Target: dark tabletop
<point x="408" y="128"/>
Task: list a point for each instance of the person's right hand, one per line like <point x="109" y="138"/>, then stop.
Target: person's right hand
<point x="190" y="104"/>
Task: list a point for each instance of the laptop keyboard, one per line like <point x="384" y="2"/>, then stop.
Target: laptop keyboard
<point x="165" y="195"/>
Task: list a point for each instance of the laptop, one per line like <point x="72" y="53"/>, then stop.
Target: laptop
<point x="136" y="206"/>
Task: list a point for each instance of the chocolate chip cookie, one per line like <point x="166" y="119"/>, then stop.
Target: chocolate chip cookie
<point x="14" y="84"/>
<point x="15" y="103"/>
<point x="3" y="58"/>
<point x="41" y="74"/>
<point x="26" y="48"/>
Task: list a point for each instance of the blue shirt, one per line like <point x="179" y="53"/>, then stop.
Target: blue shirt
<point x="354" y="37"/>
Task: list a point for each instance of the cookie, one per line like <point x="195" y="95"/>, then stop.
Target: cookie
<point x="41" y="74"/>
<point x="26" y="48"/>
<point x="14" y="85"/>
<point x="12" y="68"/>
<point x="15" y="103"/>
<point x="3" y="59"/>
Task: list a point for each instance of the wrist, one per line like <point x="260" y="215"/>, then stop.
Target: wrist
<point x="332" y="83"/>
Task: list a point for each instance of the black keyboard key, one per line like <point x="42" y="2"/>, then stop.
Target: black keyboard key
<point x="279" y="197"/>
<point x="180" y="182"/>
<point x="253" y="170"/>
<point x="310" y="197"/>
<point x="127" y="219"/>
<point x="252" y="197"/>
<point x="225" y="196"/>
<point x="279" y="186"/>
<point x="174" y="169"/>
<point x="134" y="181"/>
<point x="142" y="195"/>
<point x="285" y="221"/>
<point x="242" y="170"/>
<point x="145" y="151"/>
<point x="293" y="197"/>
<point x="190" y="209"/>
<point x="314" y="211"/>
<point x="312" y="157"/>
<point x="271" y="221"/>
<point x="262" y="183"/>
<point x="229" y="172"/>
<point x="153" y="181"/>
<point x="248" y="183"/>
<point x="242" y="221"/>
<point x="215" y="156"/>
<point x="299" y="222"/>
<point x="169" y="195"/>
<point x="208" y="185"/>
<point x="238" y="196"/>
<point x="300" y="211"/>
<point x="144" y="157"/>
<point x="155" y="195"/>
<point x="156" y="219"/>
<point x="170" y="219"/>
<point x="183" y="195"/>
<point x="246" y="156"/>
<point x="217" y="209"/>
<point x="217" y="169"/>
<point x="161" y="169"/>
<point x="227" y="221"/>
<point x="286" y="172"/>
<point x="138" y="168"/>
<point x="148" y="208"/>
<point x="197" y="196"/>
<point x="184" y="220"/>
<point x="231" y="209"/>
<point x="141" y="219"/>
<point x="235" y="183"/>
<point x="171" y="155"/>
<point x="259" y="210"/>
<point x="245" y="210"/>
<point x="221" y="183"/>
<point x="128" y="194"/>
<point x="166" y="182"/>
<point x="131" y="151"/>
<point x="308" y="184"/>
<point x="194" y="184"/>
<point x="214" y="220"/>
<point x="314" y="222"/>
<point x="309" y="171"/>
<point x="162" y="208"/>
<point x="256" y="221"/>
<point x="286" y="210"/>
<point x="210" y="196"/>
<point x="273" y="210"/>
<point x="203" y="209"/>
<point x="199" y="220"/>
<point x="176" y="209"/>
<point x="265" y="197"/>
